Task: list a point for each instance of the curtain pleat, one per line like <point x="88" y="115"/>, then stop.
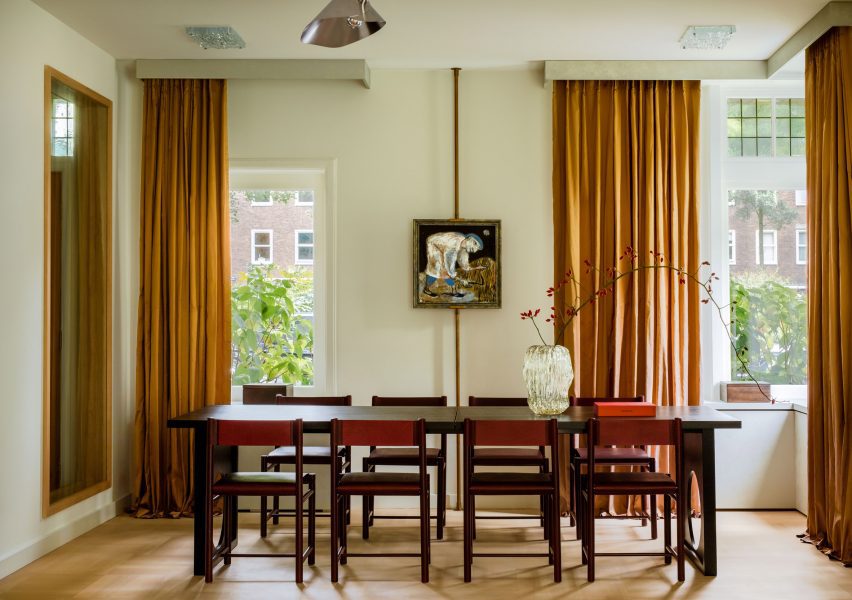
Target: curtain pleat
<point x="626" y="164"/>
<point x="828" y="106"/>
<point x="184" y="322"/>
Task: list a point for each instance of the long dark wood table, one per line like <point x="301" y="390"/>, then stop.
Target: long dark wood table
<point x="699" y="424"/>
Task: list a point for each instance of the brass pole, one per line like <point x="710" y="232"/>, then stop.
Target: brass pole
<point x="457" y="324"/>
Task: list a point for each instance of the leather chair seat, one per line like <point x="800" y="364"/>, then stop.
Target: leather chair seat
<point x="613" y="455"/>
<point x="380" y="483"/>
<point x="633" y="483"/>
<point x="250" y="483"/>
<point x="508" y="456"/>
<point x="510" y="483"/>
<point x="401" y="456"/>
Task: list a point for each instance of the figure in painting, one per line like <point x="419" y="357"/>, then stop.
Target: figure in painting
<point x="444" y="252"/>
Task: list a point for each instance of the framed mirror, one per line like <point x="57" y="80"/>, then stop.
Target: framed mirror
<point x="78" y="293"/>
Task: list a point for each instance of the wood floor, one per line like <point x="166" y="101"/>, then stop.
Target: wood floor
<point x="760" y="557"/>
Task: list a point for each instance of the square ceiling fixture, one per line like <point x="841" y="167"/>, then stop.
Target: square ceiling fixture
<point x="220" y="38"/>
<point x="707" y="37"/>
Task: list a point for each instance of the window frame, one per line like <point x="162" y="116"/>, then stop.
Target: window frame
<point x="720" y="173"/>
<point x="321" y="176"/>
<point x="299" y="201"/>
<point x="270" y="245"/>
<point x="297" y="246"/>
<point x="732" y="246"/>
<point x="773" y="122"/>
<point x="800" y="229"/>
<point x="758" y="242"/>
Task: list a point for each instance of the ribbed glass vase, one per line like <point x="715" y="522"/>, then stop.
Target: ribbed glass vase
<point x="548" y="374"/>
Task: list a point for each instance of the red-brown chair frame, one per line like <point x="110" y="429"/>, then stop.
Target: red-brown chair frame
<point x="311" y="455"/>
<point x="232" y="485"/>
<point x="635" y="431"/>
<point x="545" y="485"/>
<point x="370" y="483"/>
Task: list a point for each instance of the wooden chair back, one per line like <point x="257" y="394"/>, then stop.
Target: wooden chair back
<point x="482" y="401"/>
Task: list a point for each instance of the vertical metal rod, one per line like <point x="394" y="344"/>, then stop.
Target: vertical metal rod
<point x="456" y="311"/>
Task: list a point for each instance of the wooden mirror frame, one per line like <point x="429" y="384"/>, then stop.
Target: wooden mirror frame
<point x="53" y="302"/>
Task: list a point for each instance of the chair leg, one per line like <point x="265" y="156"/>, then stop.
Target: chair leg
<point x="299" y="501"/>
<point x="556" y="540"/>
<point x="589" y="534"/>
<point x="545" y="502"/>
<point x="208" y="542"/>
<point x="276" y="501"/>
<point x="312" y="521"/>
<point x="365" y="508"/>
<point x="542" y="517"/>
<point x="468" y="536"/>
<point x="572" y="497"/>
<point x="667" y="526"/>
<point x="472" y="518"/>
<point x="334" y="540"/>
<point x="425" y="536"/>
<point x="652" y="468"/>
<point x="341" y="521"/>
<point x="263" y="506"/>
<point x="581" y="527"/>
<point x="682" y="515"/>
<point x="441" y="472"/>
<point x="227" y="527"/>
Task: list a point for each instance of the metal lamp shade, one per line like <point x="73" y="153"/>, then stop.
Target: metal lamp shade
<point x="342" y="22"/>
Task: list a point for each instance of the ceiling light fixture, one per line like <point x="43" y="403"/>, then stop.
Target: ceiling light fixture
<point x="707" y="37"/>
<point x="219" y="38"/>
<point x="342" y="22"/>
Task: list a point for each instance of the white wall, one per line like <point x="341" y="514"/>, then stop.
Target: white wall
<point x="29" y="40"/>
<point x="801" y="428"/>
<point x="393" y="145"/>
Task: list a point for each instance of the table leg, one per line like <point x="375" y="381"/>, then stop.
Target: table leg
<point x="700" y="459"/>
<point x="199" y="481"/>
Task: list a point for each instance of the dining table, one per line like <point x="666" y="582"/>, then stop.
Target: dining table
<point x="699" y="453"/>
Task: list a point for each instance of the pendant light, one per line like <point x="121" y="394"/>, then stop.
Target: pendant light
<point x="342" y="22"/>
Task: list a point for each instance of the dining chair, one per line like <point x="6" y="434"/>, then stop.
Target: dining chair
<point x="530" y="432"/>
<point x="610" y="431"/>
<point x="408" y="434"/>
<point x="610" y="457"/>
<point x="435" y="457"/>
<point x="508" y="456"/>
<point x="232" y="485"/>
<point x="311" y="455"/>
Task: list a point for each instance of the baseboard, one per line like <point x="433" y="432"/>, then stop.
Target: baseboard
<point x="21" y="557"/>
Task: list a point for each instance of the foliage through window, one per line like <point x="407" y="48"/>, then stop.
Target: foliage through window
<point x="272" y="290"/>
<point x="768" y="285"/>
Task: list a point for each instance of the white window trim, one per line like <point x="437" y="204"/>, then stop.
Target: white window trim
<point x="297" y="245"/>
<point x="772" y="97"/>
<point x="299" y="201"/>
<point x="732" y="246"/>
<point x="801" y="197"/>
<point x="268" y="173"/>
<point x="720" y="173"/>
<point x="255" y="245"/>
<point x="267" y="203"/>
<point x="800" y="230"/>
<point x="758" y="241"/>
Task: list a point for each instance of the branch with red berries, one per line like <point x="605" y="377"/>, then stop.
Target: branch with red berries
<point x="578" y="297"/>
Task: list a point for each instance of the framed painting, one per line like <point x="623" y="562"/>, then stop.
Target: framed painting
<point x="457" y="263"/>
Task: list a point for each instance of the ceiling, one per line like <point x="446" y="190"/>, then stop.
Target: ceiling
<point x="444" y="33"/>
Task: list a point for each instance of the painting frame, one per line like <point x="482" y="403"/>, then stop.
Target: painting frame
<point x="457" y="263"/>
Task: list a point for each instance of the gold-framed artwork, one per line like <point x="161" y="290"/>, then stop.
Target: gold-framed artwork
<point x="457" y="263"/>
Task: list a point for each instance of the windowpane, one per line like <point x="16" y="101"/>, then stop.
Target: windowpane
<point x="782" y="147"/>
<point x="749" y="147"/>
<point x="797" y="128"/>
<point x="764" y="128"/>
<point x="749" y="127"/>
<point x="272" y="288"/>
<point x="735" y="128"/>
<point x="782" y="107"/>
<point x="797" y="107"/>
<point x="306" y="237"/>
<point x="734" y="107"/>
<point x="749" y="107"/>
<point x="797" y="147"/>
<point x="782" y="127"/>
<point x="769" y="310"/>
<point x="764" y="146"/>
<point x="735" y="147"/>
<point x="764" y="107"/>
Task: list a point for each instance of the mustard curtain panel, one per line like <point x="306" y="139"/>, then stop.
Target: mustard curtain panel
<point x="828" y="106"/>
<point x="626" y="162"/>
<point x="184" y="327"/>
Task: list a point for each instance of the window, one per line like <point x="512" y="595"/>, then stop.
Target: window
<point x="62" y="130"/>
<point x="769" y="244"/>
<point x="766" y="127"/>
<point x="801" y="197"/>
<point x="305" y="198"/>
<point x="304" y="247"/>
<point x="801" y="245"/>
<point x="281" y="278"/>
<point x="261" y="246"/>
<point x="732" y="247"/>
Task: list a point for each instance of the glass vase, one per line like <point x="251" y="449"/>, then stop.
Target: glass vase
<point x="548" y="375"/>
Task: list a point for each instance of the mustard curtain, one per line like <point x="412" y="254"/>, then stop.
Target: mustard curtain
<point x="184" y="323"/>
<point x="828" y="106"/>
<point x="626" y="163"/>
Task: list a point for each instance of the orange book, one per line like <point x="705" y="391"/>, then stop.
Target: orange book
<point x="625" y="409"/>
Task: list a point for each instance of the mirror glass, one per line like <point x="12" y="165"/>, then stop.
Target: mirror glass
<point x="77" y="355"/>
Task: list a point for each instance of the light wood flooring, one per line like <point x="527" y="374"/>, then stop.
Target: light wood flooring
<point x="760" y="557"/>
